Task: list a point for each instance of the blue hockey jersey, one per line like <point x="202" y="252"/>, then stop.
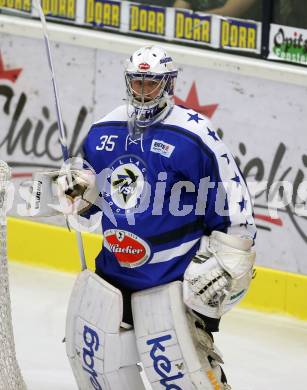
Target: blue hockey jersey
<point x="161" y="194"/>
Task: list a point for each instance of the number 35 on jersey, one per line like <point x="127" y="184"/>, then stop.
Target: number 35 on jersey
<point x="107" y="142"/>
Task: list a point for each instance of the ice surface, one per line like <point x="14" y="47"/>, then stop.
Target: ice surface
<point x="261" y="351"/>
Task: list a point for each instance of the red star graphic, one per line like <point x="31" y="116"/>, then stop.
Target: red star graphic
<point x="11" y="74"/>
<point x="192" y="102"/>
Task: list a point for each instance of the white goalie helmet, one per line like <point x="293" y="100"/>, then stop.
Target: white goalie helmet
<point x="150" y="76"/>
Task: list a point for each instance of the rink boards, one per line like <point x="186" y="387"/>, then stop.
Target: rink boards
<point x="56" y="248"/>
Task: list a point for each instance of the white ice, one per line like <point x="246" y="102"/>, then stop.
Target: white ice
<point x="261" y="351"/>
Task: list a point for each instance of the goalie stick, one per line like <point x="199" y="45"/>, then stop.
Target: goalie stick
<point x="62" y="135"/>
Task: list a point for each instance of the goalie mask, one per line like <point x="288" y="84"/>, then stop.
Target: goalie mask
<point x="150" y="78"/>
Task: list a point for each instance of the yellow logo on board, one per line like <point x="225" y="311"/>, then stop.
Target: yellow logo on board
<point x="147" y="19"/>
<point x="238" y="34"/>
<point x="20" y="5"/>
<point x="60" y="8"/>
<point x="193" y="27"/>
<point x="103" y="13"/>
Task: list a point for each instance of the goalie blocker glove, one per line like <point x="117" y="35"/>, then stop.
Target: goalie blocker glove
<point x="51" y="192"/>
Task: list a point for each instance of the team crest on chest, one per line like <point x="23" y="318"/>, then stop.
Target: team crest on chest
<point x="126" y="183"/>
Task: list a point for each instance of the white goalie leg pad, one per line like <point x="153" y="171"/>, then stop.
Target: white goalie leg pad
<point x="103" y="356"/>
<point x="168" y="344"/>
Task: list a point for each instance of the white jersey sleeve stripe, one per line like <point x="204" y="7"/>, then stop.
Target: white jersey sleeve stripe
<point x="171" y="253"/>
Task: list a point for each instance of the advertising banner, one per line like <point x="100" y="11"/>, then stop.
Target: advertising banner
<point x="147" y="19"/>
<point x="17" y="5"/>
<point x="238" y="34"/>
<point x="267" y="135"/>
<point x="193" y="27"/>
<point x="103" y="13"/>
<point x="60" y="9"/>
<point x="288" y="44"/>
<point x="169" y="23"/>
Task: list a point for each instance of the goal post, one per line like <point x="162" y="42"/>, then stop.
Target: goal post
<point x="10" y="374"/>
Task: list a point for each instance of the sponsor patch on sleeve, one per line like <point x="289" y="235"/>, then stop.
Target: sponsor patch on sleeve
<point x="162" y="148"/>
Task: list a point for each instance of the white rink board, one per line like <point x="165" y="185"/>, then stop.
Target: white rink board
<point x="260" y="109"/>
<point x="260" y="351"/>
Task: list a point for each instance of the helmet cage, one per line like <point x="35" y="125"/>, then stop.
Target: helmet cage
<point x="143" y="110"/>
<point x="163" y="81"/>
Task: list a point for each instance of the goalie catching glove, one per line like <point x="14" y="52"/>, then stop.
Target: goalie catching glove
<point x="217" y="279"/>
<point x="67" y="192"/>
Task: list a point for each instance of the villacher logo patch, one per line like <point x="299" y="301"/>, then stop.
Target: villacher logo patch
<point x="129" y="249"/>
